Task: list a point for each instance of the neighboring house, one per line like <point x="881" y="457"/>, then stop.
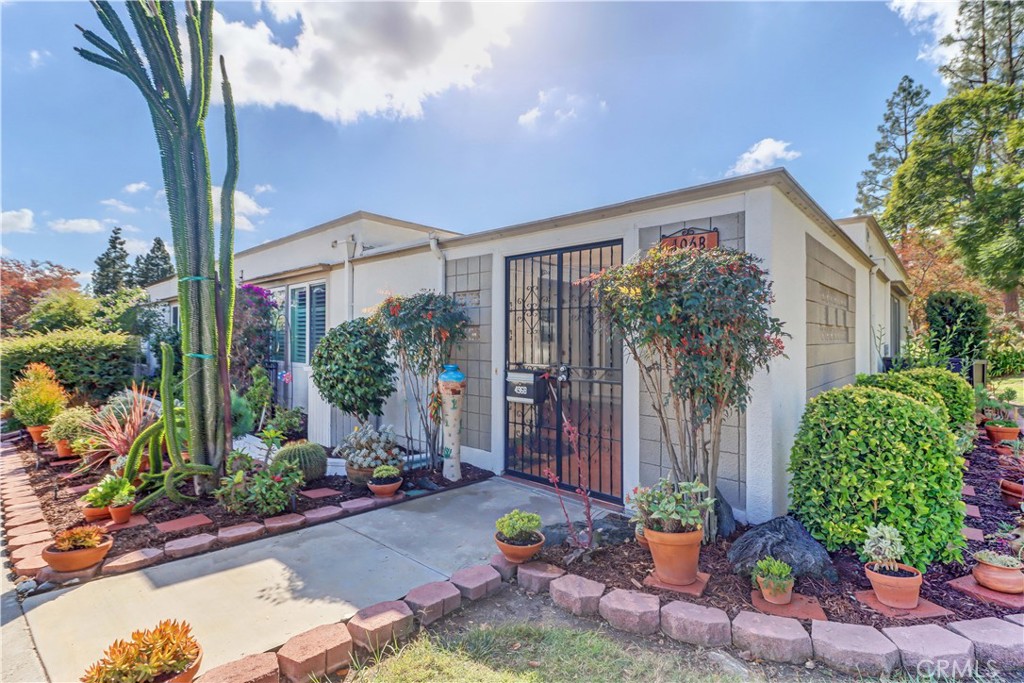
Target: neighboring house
<point x="840" y="291"/>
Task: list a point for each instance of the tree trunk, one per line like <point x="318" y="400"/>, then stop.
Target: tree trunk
<point x="1011" y="301"/>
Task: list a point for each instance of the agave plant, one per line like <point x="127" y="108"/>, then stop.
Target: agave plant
<point x="116" y="429"/>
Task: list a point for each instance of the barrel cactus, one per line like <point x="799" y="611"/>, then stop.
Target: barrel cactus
<point x="310" y="457"/>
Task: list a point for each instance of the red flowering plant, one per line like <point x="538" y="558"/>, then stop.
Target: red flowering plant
<point x="254" y="315"/>
<point x="423" y="328"/>
<point x="698" y="323"/>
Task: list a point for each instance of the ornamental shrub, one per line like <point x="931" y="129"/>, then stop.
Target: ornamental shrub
<point x="958" y="321"/>
<point x="902" y="383"/>
<point x="352" y="369"/>
<point x="1006" y="347"/>
<point x="37" y="397"/>
<point x="865" y="456"/>
<point x="89" y="363"/>
<point x="518" y="526"/>
<point x="956" y="393"/>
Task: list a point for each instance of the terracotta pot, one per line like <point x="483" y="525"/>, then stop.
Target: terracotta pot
<point x="901" y="592"/>
<point x="775" y="592"/>
<point x="188" y="674"/>
<point x="642" y="540"/>
<point x="64" y="449"/>
<point x="1003" y="450"/>
<point x="36" y="433"/>
<point x="675" y="555"/>
<point x="1012" y="493"/>
<point x="358" y="476"/>
<point x="999" y="579"/>
<point x="517" y="554"/>
<point x="121" y="514"/>
<point x="73" y="560"/>
<point x="998" y="434"/>
<point x="92" y="514"/>
<point x="385" y="490"/>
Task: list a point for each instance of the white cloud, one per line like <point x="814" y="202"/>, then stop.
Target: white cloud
<point x="361" y="59"/>
<point x="119" y="205"/>
<point x="129" y="228"/>
<point x="761" y="155"/>
<point x="933" y="20"/>
<point x="86" y="226"/>
<point x="84" y="279"/>
<point x="246" y="208"/>
<point x="4" y="251"/>
<point x="132" y="188"/>
<point x="265" y="187"/>
<point x="17" y="221"/>
<point x="36" y="58"/>
<point x="556" y="107"/>
<point x="136" y="247"/>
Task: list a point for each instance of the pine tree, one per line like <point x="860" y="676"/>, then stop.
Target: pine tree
<point x="899" y="124"/>
<point x="989" y="43"/>
<point x="112" y="270"/>
<point x="153" y="266"/>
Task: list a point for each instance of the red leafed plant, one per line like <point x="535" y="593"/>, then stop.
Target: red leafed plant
<point x="117" y="426"/>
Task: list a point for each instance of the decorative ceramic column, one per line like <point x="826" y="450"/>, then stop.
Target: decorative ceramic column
<point x="452" y="386"/>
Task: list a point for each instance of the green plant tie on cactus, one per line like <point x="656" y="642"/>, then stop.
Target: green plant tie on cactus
<point x="194" y="278"/>
<point x="203" y="356"/>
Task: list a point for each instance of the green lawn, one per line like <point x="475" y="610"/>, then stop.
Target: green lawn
<point x="1015" y="382"/>
<point x="523" y="653"/>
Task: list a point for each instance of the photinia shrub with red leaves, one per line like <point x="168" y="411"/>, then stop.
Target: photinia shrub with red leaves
<point x="699" y="325"/>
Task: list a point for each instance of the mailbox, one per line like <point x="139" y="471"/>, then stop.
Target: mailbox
<point x="526" y="386"/>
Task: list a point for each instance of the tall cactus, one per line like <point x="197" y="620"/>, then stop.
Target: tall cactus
<point x="178" y="105"/>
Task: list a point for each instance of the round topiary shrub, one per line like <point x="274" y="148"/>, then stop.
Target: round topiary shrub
<point x="352" y="369"/>
<point x="908" y="386"/>
<point x="865" y="456"/>
<point x="956" y="393"/>
<point x="310" y="457"/>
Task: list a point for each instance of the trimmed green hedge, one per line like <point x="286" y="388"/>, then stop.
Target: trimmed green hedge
<point x="955" y="391"/>
<point x="908" y="386"/>
<point x="865" y="456"/>
<point x="90" y="363"/>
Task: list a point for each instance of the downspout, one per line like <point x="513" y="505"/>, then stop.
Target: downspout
<point x="435" y="248"/>
<point x="871" y="314"/>
<point x="350" y="276"/>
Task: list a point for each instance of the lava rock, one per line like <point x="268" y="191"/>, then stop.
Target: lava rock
<point x="26" y="587"/>
<point x="608" y="530"/>
<point x="726" y="519"/>
<point x="786" y="539"/>
<point x="425" y="483"/>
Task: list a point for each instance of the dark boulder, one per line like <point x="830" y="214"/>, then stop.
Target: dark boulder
<point x="786" y="539"/>
<point x="612" y="529"/>
<point x="726" y="520"/>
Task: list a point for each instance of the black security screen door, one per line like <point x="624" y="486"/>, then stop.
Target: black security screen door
<point x="553" y="327"/>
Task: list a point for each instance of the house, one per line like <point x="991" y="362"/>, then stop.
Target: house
<point x="840" y="291"/>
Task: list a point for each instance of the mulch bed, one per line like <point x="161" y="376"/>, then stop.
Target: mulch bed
<point x="627" y="565"/>
<point x="62" y="512"/>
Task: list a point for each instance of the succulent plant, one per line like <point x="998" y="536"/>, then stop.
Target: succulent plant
<point x="70" y="424"/>
<point x="78" y="538"/>
<point x="368" y="448"/>
<point x="168" y="649"/>
<point x="998" y="559"/>
<point x="884" y="545"/>
<point x="518" y="525"/>
<point x="310" y="457"/>
<point x="385" y="472"/>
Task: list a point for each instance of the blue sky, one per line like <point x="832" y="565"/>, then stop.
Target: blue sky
<point x="461" y="117"/>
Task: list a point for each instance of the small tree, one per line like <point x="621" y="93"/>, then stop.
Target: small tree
<point x="698" y="324"/>
<point x="352" y="370"/>
<point x="959" y="320"/>
<point x="112" y="270"/>
<point x="424" y="328"/>
<point x="22" y="283"/>
<point x="253" y="326"/>
<point x="153" y="266"/>
<point x="61" y="309"/>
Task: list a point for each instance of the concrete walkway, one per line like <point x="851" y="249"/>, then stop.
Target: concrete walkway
<point x="253" y="597"/>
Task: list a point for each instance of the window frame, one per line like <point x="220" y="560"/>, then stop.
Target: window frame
<point x="307" y="287"/>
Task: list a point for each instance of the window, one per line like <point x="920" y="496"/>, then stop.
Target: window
<point x="895" y="327"/>
<point x="307" y="320"/>
<point x="175" y="318"/>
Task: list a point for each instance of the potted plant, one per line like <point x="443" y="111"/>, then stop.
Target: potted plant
<point x="775" y="580"/>
<point x="998" y="572"/>
<point x="518" y="536"/>
<point x="1011" y="486"/>
<point x="672" y="516"/>
<point x="1001" y="430"/>
<point x="98" y="498"/>
<point x="385" y="481"/>
<point x="895" y="584"/>
<point x="67" y="427"/>
<point x="36" y="399"/>
<point x="77" y="548"/>
<point x="121" y="501"/>
<point x="168" y="653"/>
<point x="366" y="449"/>
<point x="638" y="534"/>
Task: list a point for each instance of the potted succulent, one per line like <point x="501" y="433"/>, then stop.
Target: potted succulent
<point x="77" y="548"/>
<point x="36" y="399"/>
<point x="673" y="521"/>
<point x="168" y="653"/>
<point x="122" y="500"/>
<point x="895" y="584"/>
<point x="98" y="498"/>
<point x="1011" y="486"/>
<point x="998" y="572"/>
<point x="775" y="580"/>
<point x="366" y="449"/>
<point x="385" y="481"/>
<point x="1002" y="430"/>
<point x="518" y="536"/>
<point x="67" y="427"/>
